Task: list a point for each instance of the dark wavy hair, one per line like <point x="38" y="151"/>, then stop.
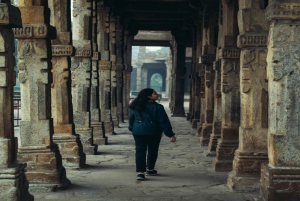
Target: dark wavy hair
<point x="139" y="103"/>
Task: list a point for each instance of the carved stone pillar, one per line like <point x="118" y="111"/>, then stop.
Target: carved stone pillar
<point x="81" y="68"/>
<point x="119" y="72"/>
<point x="44" y="163"/>
<point x="206" y="130"/>
<point x="104" y="70"/>
<point x="201" y="68"/>
<point x="114" y="68"/>
<point x="216" y="128"/>
<point x="178" y="109"/>
<point x="280" y="177"/>
<point x="228" y="143"/>
<point x="252" y="151"/>
<point x="127" y="74"/>
<point x="64" y="135"/>
<point x="168" y="76"/>
<point x="99" y="137"/>
<point x="13" y="182"/>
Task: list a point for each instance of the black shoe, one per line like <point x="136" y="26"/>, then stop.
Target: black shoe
<point x="140" y="176"/>
<point x="151" y="173"/>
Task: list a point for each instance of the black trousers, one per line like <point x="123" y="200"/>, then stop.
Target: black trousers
<point x="142" y="143"/>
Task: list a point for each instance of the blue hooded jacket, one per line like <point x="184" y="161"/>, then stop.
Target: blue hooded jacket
<point x="152" y="121"/>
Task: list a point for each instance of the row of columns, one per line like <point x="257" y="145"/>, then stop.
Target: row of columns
<point x="247" y="82"/>
<point x="74" y="88"/>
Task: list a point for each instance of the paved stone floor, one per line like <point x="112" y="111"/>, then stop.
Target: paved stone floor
<point x="184" y="173"/>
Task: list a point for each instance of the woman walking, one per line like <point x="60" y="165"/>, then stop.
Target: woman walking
<point x="147" y="121"/>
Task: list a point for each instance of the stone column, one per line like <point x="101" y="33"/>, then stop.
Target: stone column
<point x="228" y="143"/>
<point x="81" y="74"/>
<point x="104" y="69"/>
<point x="206" y="130"/>
<point x="127" y="74"/>
<point x="64" y="134"/>
<point x="280" y="177"/>
<point x="119" y="72"/>
<point x="178" y="88"/>
<point x="99" y="137"/>
<point x="216" y="127"/>
<point x="229" y="55"/>
<point x="13" y="182"/>
<point x="113" y="73"/>
<point x="44" y="162"/>
<point x="202" y="100"/>
<point x="252" y="150"/>
<point x="168" y="76"/>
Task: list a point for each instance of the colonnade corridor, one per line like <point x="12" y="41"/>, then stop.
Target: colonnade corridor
<point x="184" y="172"/>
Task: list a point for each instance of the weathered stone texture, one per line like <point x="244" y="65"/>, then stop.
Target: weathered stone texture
<point x="13" y="182"/>
<point x="81" y="68"/>
<point x="64" y="134"/>
<point x="283" y="134"/>
<point x="37" y="148"/>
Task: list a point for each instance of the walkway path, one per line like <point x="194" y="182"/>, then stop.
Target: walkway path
<point x="184" y="173"/>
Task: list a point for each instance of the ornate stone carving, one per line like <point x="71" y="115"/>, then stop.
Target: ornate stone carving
<point x="229" y="53"/>
<point x="207" y="58"/>
<point x="62" y="50"/>
<point x="283" y="11"/>
<point x="230" y="70"/>
<point x="31" y="31"/>
<point x="83" y="52"/>
<point x="252" y="40"/>
<point x="105" y="65"/>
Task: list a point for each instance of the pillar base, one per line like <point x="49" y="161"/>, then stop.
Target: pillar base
<point x="188" y="116"/>
<point x="87" y="140"/>
<point x="98" y="133"/>
<point x="213" y="142"/>
<point x="195" y="122"/>
<point x="199" y="128"/>
<point x="208" y="153"/>
<point x="13" y="183"/>
<point x="205" y="134"/>
<point x="279" y="183"/>
<point x="246" y="170"/>
<point x="224" y="155"/>
<point x="44" y="168"/>
<point x="108" y="127"/>
<point x="115" y="123"/>
<point x="221" y="165"/>
<point x="242" y="183"/>
<point x="178" y="111"/>
<point x="71" y="150"/>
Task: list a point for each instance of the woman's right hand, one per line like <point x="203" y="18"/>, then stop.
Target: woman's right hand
<point x="173" y="139"/>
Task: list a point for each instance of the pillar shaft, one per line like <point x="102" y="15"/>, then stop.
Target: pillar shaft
<point x="81" y="68"/>
<point x="217" y="119"/>
<point x="64" y="134"/>
<point x="36" y="129"/>
<point x="113" y="73"/>
<point x="252" y="150"/>
<point x="99" y="136"/>
<point x="279" y="178"/>
<point x="208" y="102"/>
<point x="13" y="182"/>
<point x="179" y="77"/>
<point x="229" y="56"/>
<point x="120" y="68"/>
<point x="104" y="70"/>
